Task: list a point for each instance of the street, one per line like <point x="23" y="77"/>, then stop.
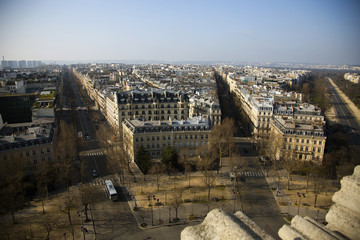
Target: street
<point x="345" y="116"/>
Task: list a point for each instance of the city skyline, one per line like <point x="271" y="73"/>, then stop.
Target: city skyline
<point x="321" y="32"/>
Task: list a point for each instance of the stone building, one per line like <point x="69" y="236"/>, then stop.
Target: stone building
<point x="155" y="135"/>
<point x="301" y="129"/>
<point x="31" y="141"/>
<point x="154" y="104"/>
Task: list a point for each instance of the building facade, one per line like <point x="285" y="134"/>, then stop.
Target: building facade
<point x="154" y="136"/>
<point x="33" y="142"/>
<point x="301" y="129"/>
<point x="155" y="104"/>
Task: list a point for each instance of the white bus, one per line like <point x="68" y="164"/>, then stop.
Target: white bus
<point x="110" y="190"/>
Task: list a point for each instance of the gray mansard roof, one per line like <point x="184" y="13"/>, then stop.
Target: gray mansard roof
<point x="150" y="96"/>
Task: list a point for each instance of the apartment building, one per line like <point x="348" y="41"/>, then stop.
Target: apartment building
<point x="155" y="135"/>
<point x="200" y="106"/>
<point x="31" y="141"/>
<point x="257" y="103"/>
<point x="154" y="104"/>
<point x="301" y="139"/>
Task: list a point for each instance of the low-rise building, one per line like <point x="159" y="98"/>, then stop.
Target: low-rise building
<point x="44" y="106"/>
<point x="155" y="135"/>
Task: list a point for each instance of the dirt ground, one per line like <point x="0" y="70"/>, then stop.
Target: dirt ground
<point x="170" y="185"/>
<point x="299" y="186"/>
<point x="32" y="223"/>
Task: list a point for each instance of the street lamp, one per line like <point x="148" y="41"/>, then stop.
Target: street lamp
<point x="300" y="195"/>
<point x="150" y="204"/>
<point x="169" y="215"/>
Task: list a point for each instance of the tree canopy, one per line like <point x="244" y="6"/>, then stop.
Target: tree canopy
<point x="143" y="159"/>
<point x="169" y="157"/>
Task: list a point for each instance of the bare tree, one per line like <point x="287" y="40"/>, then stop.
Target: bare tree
<point x="68" y="203"/>
<point x="42" y="179"/>
<point x="289" y="163"/>
<point x="49" y="224"/>
<point x="176" y="200"/>
<point x="205" y="165"/>
<point x="157" y="170"/>
<point x="184" y="159"/>
<point x="238" y="164"/>
<point x="271" y="146"/>
<point x="12" y="184"/>
<point x="86" y="198"/>
<point x="222" y="138"/>
<point x="317" y="175"/>
<point x="66" y="151"/>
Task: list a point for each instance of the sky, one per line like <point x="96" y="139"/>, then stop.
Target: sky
<point x="296" y="31"/>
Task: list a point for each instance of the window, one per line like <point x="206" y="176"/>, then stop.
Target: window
<point x="27" y="153"/>
<point x="319" y="150"/>
<point x="302" y="140"/>
<point x="42" y="150"/>
<point x="314" y="141"/>
<point x="48" y="150"/>
<point x="35" y="161"/>
<point x="320" y="142"/>
<point x="307" y="141"/>
<point x="34" y="152"/>
<point x="297" y="140"/>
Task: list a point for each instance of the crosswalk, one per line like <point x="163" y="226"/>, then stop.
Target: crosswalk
<point x="92" y="154"/>
<point x="101" y="181"/>
<point x="251" y="174"/>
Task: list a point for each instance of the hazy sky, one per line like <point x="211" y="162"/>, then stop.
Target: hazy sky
<point x="307" y="31"/>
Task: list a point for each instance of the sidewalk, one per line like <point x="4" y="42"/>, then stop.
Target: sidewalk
<point x="285" y="204"/>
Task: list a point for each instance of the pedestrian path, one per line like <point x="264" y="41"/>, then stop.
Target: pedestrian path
<point x="92" y="154"/>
